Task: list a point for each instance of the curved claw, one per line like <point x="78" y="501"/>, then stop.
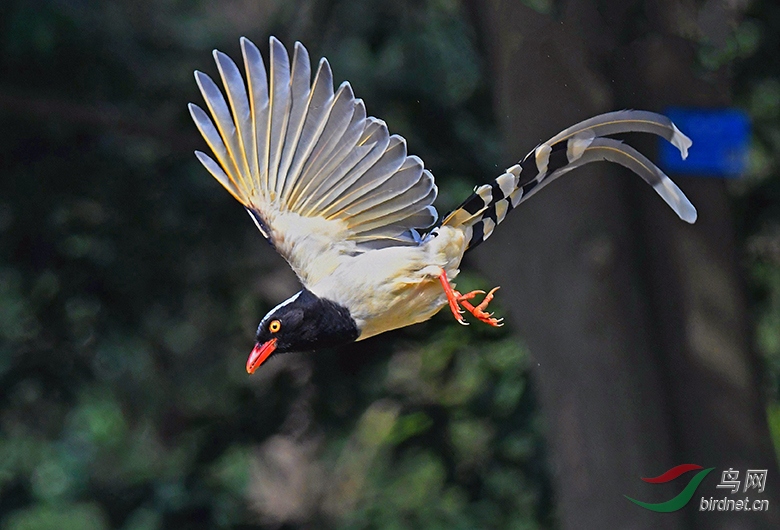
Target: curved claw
<point x="481" y="307"/>
<point x="456" y="300"/>
<point x="457" y="312"/>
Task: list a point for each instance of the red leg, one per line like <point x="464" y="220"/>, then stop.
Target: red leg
<point x="452" y="298"/>
<point x="456" y="300"/>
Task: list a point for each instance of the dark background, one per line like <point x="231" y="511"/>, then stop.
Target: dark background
<point x="131" y="283"/>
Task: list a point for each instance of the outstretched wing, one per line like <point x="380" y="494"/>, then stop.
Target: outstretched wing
<point x="320" y="179"/>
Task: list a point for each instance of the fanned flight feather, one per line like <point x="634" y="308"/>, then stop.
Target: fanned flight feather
<point x="287" y="146"/>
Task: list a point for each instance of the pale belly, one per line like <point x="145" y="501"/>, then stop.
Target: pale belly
<point x="395" y="287"/>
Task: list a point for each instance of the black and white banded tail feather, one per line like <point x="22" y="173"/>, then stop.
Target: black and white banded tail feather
<point x="576" y="146"/>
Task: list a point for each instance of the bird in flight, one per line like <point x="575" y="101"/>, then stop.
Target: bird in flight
<point x="352" y="213"/>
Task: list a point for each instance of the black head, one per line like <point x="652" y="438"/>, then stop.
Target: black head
<point x="303" y="322"/>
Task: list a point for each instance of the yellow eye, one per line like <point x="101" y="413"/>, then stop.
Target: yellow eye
<point x="274" y="326"/>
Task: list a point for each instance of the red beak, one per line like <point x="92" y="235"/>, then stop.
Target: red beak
<point x="259" y="354"/>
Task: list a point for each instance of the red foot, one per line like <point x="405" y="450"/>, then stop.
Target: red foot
<point x="456" y="300"/>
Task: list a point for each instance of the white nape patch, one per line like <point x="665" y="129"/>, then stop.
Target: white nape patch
<point x="676" y="199"/>
<point x="542" y="155"/>
<point x="501" y="208"/>
<point x="576" y="145"/>
<point x="681" y="142"/>
<point x="290" y="300"/>
<point x="506" y="183"/>
<point x="259" y="227"/>
<point x="487" y="228"/>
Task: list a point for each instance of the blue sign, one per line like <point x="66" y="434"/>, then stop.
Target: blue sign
<point x="721" y="138"/>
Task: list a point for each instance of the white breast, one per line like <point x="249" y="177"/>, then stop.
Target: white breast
<point x="394" y="287"/>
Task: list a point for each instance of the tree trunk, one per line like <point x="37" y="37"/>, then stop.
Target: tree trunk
<point x="636" y="320"/>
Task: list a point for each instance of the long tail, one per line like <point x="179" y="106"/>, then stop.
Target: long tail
<point x="576" y="146"/>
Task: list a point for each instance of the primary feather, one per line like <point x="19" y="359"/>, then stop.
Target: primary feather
<point x="288" y="148"/>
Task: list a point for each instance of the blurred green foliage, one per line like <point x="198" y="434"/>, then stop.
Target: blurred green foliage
<point x="753" y="50"/>
<point x="130" y="286"/>
<point x="130" y="283"/>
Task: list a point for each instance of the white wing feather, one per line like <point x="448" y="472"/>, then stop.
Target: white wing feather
<point x="323" y="180"/>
